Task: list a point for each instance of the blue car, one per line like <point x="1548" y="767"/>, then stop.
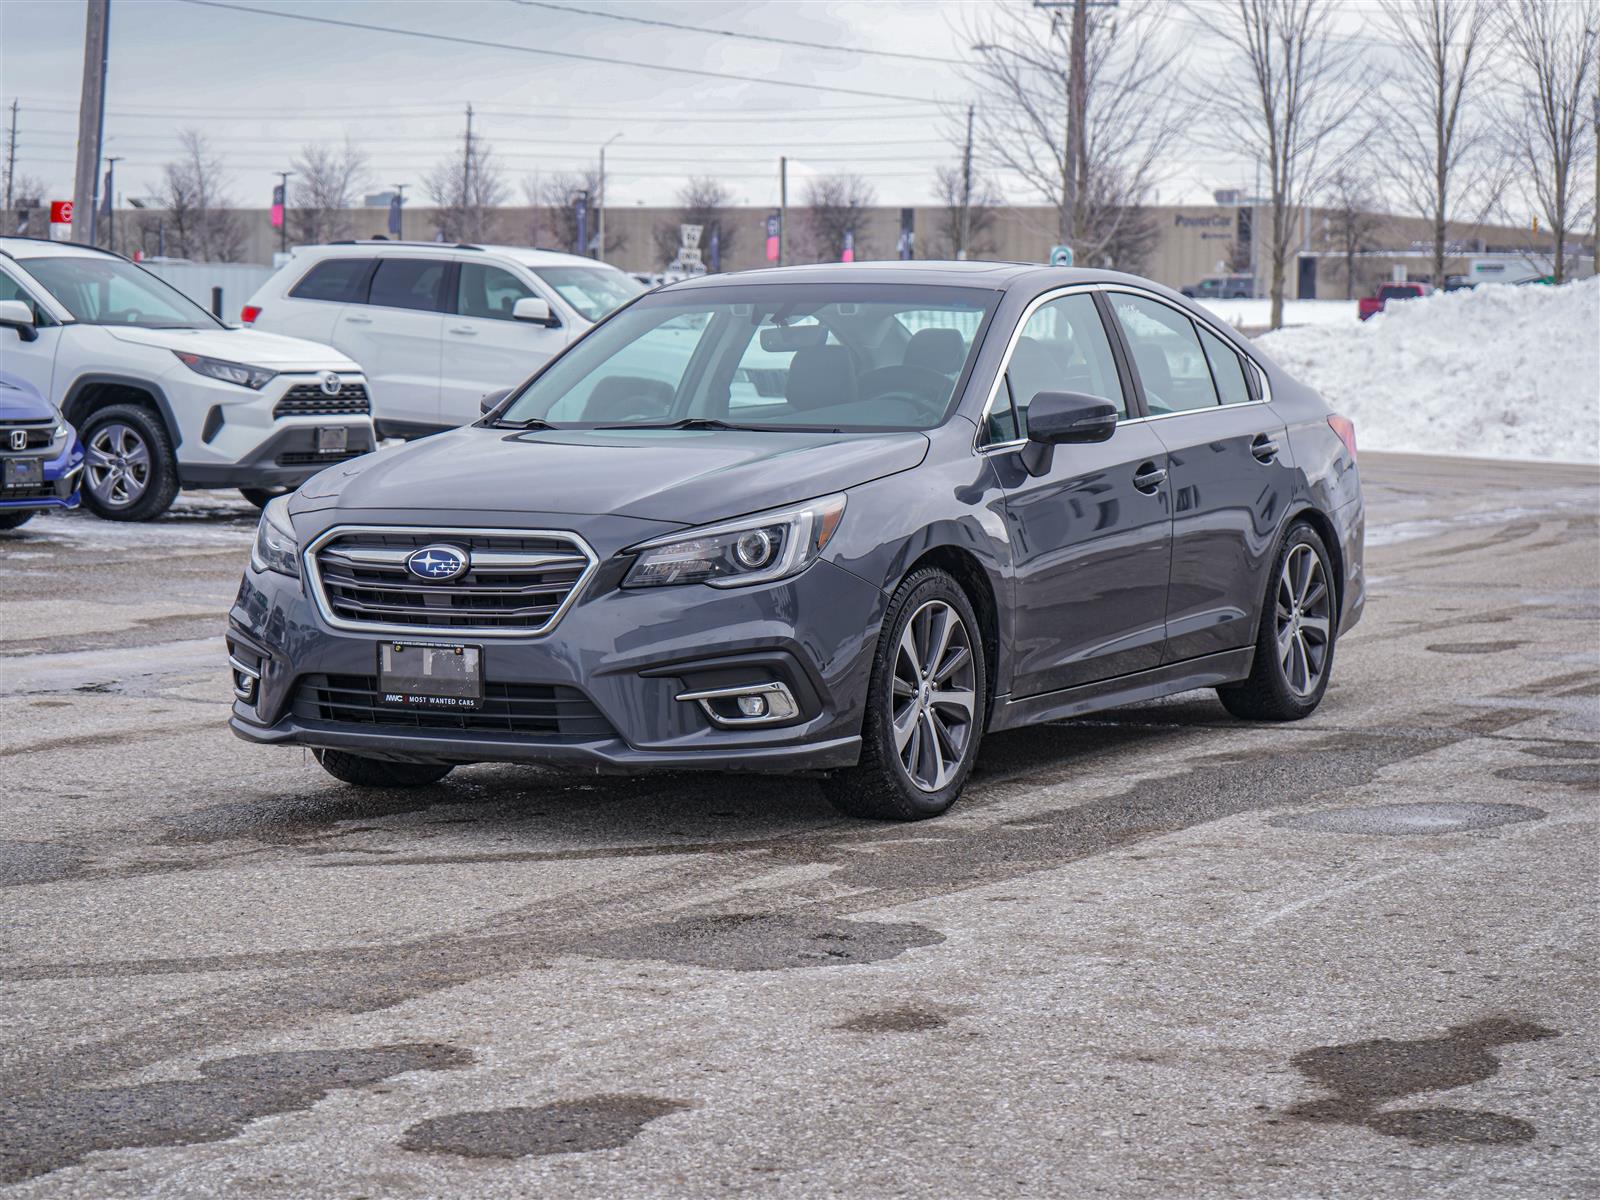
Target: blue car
<point x="40" y="455"/>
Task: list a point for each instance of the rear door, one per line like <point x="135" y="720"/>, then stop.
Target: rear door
<point x="394" y="331"/>
<point x="310" y="308"/>
<point x="1231" y="478"/>
<point x="485" y="349"/>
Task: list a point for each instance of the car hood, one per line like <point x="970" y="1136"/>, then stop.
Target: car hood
<point x="252" y="346"/>
<point x="684" y="476"/>
<point x="21" y="401"/>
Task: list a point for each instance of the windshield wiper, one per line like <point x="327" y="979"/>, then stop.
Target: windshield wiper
<point x="525" y="423"/>
<point x="689" y="423"/>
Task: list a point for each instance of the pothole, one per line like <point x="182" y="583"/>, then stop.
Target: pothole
<point x="765" y="941"/>
<point x="1473" y="647"/>
<point x="1392" y="819"/>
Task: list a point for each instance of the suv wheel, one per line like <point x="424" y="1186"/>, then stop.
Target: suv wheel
<point x="925" y="706"/>
<point x="1294" y="648"/>
<point x="377" y="772"/>
<point x="129" y="473"/>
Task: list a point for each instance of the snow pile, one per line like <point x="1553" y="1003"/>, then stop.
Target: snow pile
<point x="1507" y="372"/>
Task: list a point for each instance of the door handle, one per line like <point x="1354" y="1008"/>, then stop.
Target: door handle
<point x="464" y="331"/>
<point x="358" y="320"/>
<point x="1264" y="448"/>
<point x="1149" y="477"/>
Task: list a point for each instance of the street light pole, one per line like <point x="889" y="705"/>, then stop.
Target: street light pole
<point x="600" y="250"/>
<point x="783" y="210"/>
<point x="111" y="204"/>
<point x="283" y="230"/>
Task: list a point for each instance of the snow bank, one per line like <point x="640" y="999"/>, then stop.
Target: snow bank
<point x="1257" y="314"/>
<point x="1508" y="372"/>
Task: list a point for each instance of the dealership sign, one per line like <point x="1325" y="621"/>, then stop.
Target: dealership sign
<point x="61" y="212"/>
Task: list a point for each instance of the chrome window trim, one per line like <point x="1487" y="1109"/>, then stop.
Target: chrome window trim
<point x="982" y="447"/>
<point x="308" y="564"/>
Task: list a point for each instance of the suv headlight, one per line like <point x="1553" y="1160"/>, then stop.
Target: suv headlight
<point x="755" y="549"/>
<point x="229" y="372"/>
<point x="275" y="547"/>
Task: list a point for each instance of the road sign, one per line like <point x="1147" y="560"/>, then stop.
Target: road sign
<point x="61" y="212"/>
<point x="1060" y="256"/>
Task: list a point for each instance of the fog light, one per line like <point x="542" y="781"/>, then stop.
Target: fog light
<point x="246" y="679"/>
<point x="753" y="706"/>
<point x="746" y="703"/>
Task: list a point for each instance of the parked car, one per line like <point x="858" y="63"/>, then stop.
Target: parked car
<point x="1223" y="287"/>
<point x="435" y="327"/>
<point x="1371" y="306"/>
<point x="165" y="395"/>
<point x="1065" y="490"/>
<point x="40" y="455"/>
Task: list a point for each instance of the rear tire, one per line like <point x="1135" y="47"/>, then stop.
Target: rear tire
<point x="1295" y="643"/>
<point x="15" y="520"/>
<point x="362" y="771"/>
<point x="926" y="706"/>
<point x="129" y="471"/>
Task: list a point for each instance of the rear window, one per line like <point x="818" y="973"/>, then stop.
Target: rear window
<point x="408" y="283"/>
<point x="1226" y="370"/>
<point x="331" y="279"/>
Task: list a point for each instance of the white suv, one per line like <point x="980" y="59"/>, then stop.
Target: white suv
<point x="163" y="394"/>
<point x="437" y="327"/>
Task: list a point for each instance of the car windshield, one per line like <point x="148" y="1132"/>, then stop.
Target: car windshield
<point x="852" y="357"/>
<point x="592" y="291"/>
<point x="109" y="291"/>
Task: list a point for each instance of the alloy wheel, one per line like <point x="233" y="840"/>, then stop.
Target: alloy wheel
<point x="1304" y="619"/>
<point x="118" y="466"/>
<point x="935" y="695"/>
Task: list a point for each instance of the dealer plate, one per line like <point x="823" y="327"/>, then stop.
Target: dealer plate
<point x="430" y="675"/>
<point x="331" y="438"/>
<point x="24" y="472"/>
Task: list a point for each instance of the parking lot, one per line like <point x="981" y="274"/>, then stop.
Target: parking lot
<point x="1150" y="953"/>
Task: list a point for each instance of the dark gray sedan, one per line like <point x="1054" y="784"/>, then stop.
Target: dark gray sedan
<point x="837" y="518"/>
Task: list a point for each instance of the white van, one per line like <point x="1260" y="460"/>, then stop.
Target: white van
<point x="435" y="327"/>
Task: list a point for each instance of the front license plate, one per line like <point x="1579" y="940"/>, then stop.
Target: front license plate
<point x="331" y="438"/>
<point x="430" y="675"/>
<point x="24" y="472"/>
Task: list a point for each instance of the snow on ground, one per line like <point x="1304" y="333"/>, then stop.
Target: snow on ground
<point x="1257" y="314"/>
<point x="1506" y="372"/>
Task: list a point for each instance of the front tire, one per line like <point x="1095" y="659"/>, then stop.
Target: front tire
<point x="1294" y="646"/>
<point x="262" y="495"/>
<point x="362" y="771"/>
<point x="129" y="470"/>
<point x="926" y="706"/>
<point x="15" y="519"/>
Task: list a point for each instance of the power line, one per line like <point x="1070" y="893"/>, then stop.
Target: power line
<point x="812" y="116"/>
<point x="593" y="58"/>
<point x="729" y="33"/>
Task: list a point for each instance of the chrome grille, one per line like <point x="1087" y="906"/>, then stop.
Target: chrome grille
<point x="309" y="400"/>
<point x="37" y="434"/>
<point x="518" y="584"/>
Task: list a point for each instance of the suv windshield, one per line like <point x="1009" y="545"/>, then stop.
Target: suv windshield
<point x="852" y="357"/>
<point x="109" y="291"/>
<point x="592" y="291"/>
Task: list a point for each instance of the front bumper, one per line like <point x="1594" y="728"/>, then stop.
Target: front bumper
<point x="628" y="654"/>
<point x="62" y="474"/>
<point x="286" y="459"/>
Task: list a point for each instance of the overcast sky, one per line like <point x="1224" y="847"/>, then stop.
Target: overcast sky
<point x="261" y="84"/>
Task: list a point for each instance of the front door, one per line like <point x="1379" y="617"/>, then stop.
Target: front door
<point x="33" y="361"/>
<point x="1091" y="538"/>
<point x="485" y="349"/>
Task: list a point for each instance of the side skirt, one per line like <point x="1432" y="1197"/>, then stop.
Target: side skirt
<point x="1230" y="666"/>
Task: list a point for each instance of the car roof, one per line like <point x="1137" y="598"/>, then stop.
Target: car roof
<point x="531" y="256"/>
<point x="998" y="276"/>
<point x="30" y="247"/>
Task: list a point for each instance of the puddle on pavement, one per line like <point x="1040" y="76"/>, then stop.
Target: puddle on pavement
<point x="1366" y="1076"/>
<point x="763" y="941"/>
<point x="1402" y="819"/>
<point x="37" y="862"/>
<point x="1584" y="775"/>
<point x="1563" y="750"/>
<point x="1474" y="647"/>
<point x="565" y="1127"/>
<point x="44" y="1133"/>
<point x="905" y="1019"/>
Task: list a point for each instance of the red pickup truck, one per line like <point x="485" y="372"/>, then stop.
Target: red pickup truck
<point x="1370" y="305"/>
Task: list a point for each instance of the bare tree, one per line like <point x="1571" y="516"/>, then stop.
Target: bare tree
<point x="557" y="198"/>
<point x="1091" y="147"/>
<point x="1435" y="132"/>
<point x="703" y="201"/>
<point x="327" y="180"/>
<point x="27" y="193"/>
<point x="981" y="204"/>
<point x="1554" y="47"/>
<point x="1352" y="222"/>
<point x="466" y="189"/>
<point x="1299" y="113"/>
<point x="200" y="223"/>
<point x="834" y="205"/>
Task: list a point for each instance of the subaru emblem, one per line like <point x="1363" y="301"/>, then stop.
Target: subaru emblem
<point x="437" y="563"/>
<point x="330" y="383"/>
<point x="19" y="439"/>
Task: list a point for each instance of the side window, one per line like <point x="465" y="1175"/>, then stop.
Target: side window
<point x="1226" y="369"/>
<point x="408" y="283"/>
<point x="10" y="289"/>
<point x="332" y="279"/>
<point x="488" y="292"/>
<point x="1166" y="351"/>
<point x="1062" y="348"/>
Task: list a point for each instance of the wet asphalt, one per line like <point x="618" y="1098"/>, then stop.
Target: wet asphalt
<point x="1153" y="953"/>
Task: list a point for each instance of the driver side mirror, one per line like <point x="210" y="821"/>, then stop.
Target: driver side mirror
<point x="535" y="311"/>
<point x="491" y="400"/>
<point x="1060" y="418"/>
<point x="14" y="314"/>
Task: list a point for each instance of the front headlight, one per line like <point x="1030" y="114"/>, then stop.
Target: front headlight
<point x="755" y="549"/>
<point x="275" y="548"/>
<point x="229" y="372"/>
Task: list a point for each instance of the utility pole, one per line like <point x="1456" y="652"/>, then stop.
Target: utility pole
<point x="111" y="204"/>
<point x="783" y="210"/>
<point x="400" y="207"/>
<point x="1075" y="163"/>
<point x="600" y="250"/>
<point x="283" y="230"/>
<point x="91" y="120"/>
<point x="965" y="230"/>
<point x="466" y="175"/>
<point x="11" y="161"/>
